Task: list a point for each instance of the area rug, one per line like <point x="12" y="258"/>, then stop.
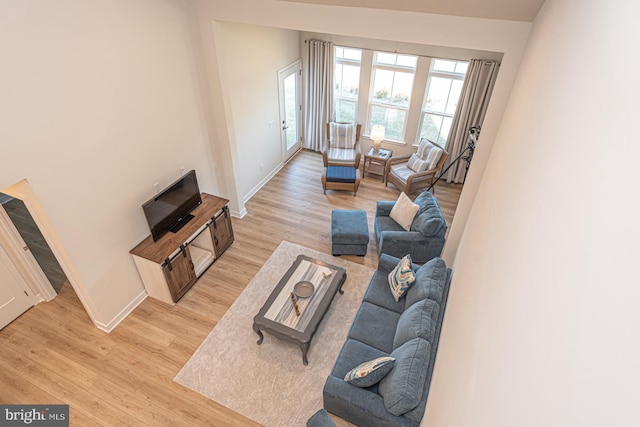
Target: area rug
<point x="268" y="383"/>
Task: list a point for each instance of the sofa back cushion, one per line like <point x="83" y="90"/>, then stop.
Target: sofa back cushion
<point x="429" y="152"/>
<point x="429" y="283"/>
<point x="429" y="220"/>
<point x="419" y="320"/>
<point x="402" y="388"/>
<point x="342" y="135"/>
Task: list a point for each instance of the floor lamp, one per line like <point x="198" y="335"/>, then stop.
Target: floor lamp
<point x="474" y="133"/>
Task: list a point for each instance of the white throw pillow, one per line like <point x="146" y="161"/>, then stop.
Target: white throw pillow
<point x="404" y="211"/>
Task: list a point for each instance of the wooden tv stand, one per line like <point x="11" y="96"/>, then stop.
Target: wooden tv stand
<point x="171" y="265"/>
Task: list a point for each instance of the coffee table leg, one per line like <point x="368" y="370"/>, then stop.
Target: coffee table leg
<point x="305" y="348"/>
<point x="343" y="280"/>
<point x="259" y="332"/>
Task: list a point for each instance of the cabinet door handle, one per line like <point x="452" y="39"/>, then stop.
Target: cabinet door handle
<point x="215" y="239"/>
<point x="192" y="266"/>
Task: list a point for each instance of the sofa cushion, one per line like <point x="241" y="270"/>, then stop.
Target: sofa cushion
<point x="352" y="354"/>
<point x="402" y="388"/>
<point x="342" y="135"/>
<point x="369" y="373"/>
<point x="404" y="211"/>
<point x="401" y="278"/>
<point x="429" y="220"/>
<point x="419" y="320"/>
<point x="430" y="281"/>
<point x="379" y="293"/>
<point x="375" y="326"/>
<point x="430" y="152"/>
<point x="417" y="164"/>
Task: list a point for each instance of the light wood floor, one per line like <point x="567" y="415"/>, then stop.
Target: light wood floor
<point x="54" y="354"/>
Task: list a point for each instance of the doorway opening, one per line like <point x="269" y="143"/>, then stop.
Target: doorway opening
<point x="33" y="240"/>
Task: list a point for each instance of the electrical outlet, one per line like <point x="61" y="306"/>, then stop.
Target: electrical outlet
<point x="156" y="187"/>
<point x="261" y="166"/>
<point x="181" y="170"/>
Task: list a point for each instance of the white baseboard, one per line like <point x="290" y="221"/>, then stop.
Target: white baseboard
<point x="240" y="214"/>
<point x="261" y="184"/>
<point x="123" y="314"/>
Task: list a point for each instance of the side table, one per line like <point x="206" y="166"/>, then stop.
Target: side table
<point x="376" y="163"/>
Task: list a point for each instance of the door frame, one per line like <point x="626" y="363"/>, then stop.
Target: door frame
<point x="294" y="67"/>
<point x="18" y="303"/>
<point x="24" y="261"/>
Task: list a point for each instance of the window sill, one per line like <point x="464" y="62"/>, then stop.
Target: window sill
<point x="389" y="141"/>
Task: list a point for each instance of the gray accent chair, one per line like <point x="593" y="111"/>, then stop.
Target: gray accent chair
<point x="423" y="242"/>
<point x="409" y="331"/>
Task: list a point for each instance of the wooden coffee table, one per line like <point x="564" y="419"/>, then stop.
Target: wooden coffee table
<point x="278" y="315"/>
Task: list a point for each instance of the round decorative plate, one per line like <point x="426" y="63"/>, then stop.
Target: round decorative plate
<point x="303" y="289"/>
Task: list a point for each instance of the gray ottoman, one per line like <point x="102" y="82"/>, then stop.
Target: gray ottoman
<point x="349" y="232"/>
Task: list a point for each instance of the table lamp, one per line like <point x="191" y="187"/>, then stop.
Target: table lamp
<point x="377" y="135"/>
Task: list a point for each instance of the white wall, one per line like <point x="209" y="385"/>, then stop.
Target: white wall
<point x="542" y="322"/>
<point x="506" y="37"/>
<point x="100" y="100"/>
<point x="251" y="57"/>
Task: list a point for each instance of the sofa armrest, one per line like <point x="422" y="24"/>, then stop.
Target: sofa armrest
<point x="359" y="405"/>
<point x="383" y="207"/>
<point x="386" y="263"/>
<point x="401" y="243"/>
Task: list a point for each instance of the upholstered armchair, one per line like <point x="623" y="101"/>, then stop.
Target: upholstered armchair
<point x="413" y="172"/>
<point x="423" y="241"/>
<point x="342" y="146"/>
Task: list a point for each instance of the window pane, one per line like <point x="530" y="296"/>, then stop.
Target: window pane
<point x="339" y="52"/>
<point x="354" y="54"/>
<point x="444" y="132"/>
<point x="444" y="65"/>
<point x="454" y="96"/>
<point x="407" y="61"/>
<point x="431" y="125"/>
<point x="461" y="67"/>
<point x="402" y="86"/>
<point x="382" y="85"/>
<point x="291" y="109"/>
<point x="438" y="94"/>
<point x="346" y="79"/>
<point x="436" y="128"/>
<point x="386" y="58"/>
<point x="345" y="111"/>
<point x="392" y="119"/>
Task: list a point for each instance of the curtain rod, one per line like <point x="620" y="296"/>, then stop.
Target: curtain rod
<point x="404" y="53"/>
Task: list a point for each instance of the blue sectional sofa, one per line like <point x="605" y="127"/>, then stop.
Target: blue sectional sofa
<point x="407" y="330"/>
<point x="426" y="238"/>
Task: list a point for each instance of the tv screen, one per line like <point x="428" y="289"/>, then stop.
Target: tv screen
<point x="169" y="209"/>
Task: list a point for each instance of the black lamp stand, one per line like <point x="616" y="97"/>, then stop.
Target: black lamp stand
<point x="466" y="155"/>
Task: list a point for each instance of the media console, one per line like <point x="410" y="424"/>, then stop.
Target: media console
<point x="172" y="264"/>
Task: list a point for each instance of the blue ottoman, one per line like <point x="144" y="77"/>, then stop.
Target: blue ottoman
<point x="345" y="178"/>
<point x="349" y="232"/>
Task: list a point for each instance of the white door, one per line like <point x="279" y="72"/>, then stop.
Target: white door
<point x="290" y="109"/>
<point x="14" y="299"/>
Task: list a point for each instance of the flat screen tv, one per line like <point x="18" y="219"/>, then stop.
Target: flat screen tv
<point x="169" y="209"/>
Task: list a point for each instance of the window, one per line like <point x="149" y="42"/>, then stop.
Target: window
<point x="441" y="99"/>
<point x="390" y="95"/>
<point x="346" y="83"/>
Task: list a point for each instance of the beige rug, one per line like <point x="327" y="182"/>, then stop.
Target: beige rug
<point x="268" y="383"/>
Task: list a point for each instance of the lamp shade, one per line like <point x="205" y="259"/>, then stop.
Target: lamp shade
<point x="377" y="133"/>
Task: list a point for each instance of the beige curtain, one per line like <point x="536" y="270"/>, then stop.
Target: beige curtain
<point x="319" y="93"/>
<point x="472" y="107"/>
